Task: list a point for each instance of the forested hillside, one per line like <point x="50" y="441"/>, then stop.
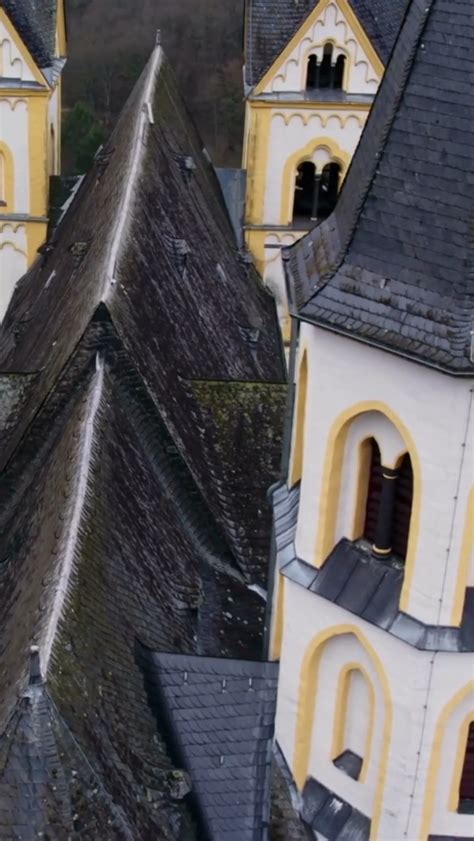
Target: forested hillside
<point x="109" y="43"/>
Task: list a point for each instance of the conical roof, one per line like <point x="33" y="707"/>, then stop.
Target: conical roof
<point x="393" y="264"/>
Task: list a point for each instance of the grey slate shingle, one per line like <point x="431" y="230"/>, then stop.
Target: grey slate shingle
<point x="35" y="21"/>
<point x="394" y="262"/>
<point x="271" y="24"/>
<point x="220" y="717"/>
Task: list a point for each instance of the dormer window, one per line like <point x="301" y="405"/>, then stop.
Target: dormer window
<point x="315" y="193"/>
<point x="326" y="73"/>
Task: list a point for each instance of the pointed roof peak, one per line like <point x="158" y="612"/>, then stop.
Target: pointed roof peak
<point x="393" y="263"/>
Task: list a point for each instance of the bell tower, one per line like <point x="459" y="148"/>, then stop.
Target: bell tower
<point x="373" y="605"/>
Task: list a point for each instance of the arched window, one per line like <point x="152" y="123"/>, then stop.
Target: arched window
<point x="326" y="73"/>
<point x="305" y="186"/>
<point x="354" y="710"/>
<point x="389" y="505"/>
<point x="3" y="198"/>
<point x="315" y="195"/>
<point x="466" y="785"/>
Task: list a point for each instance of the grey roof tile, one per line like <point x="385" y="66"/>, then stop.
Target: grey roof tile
<point x="405" y="213"/>
<point x="35" y="21"/>
<point x="271" y="24"/>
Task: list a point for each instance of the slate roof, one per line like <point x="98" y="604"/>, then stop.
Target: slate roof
<point x="393" y="265"/>
<point x="35" y="21"/>
<point x="271" y="24"/>
<point x="139" y="413"/>
<point x="331" y="816"/>
<point x="220" y="716"/>
<point x="353" y="579"/>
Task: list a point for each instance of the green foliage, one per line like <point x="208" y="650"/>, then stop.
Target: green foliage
<point x="82" y="135"/>
<point x="111" y="40"/>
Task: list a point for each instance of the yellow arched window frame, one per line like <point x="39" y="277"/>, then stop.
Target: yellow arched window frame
<point x="300" y="421"/>
<point x="343" y="695"/>
<point x="7" y="179"/>
<point x="336" y="155"/>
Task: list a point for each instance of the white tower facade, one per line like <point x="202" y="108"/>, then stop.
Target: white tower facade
<point x="373" y="614"/>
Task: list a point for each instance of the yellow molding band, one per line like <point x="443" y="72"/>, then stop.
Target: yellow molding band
<point x="354" y="24"/>
<point x="61" y="29"/>
<point x="362" y="489"/>
<point x="296" y="472"/>
<point x="38" y="148"/>
<point x="278" y="624"/>
<point x="36" y="233"/>
<point x="307" y="702"/>
<point x="308" y="105"/>
<point x="257" y="165"/>
<point x="467" y="549"/>
<point x="436" y="755"/>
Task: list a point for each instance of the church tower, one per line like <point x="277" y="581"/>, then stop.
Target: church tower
<point x="312" y="69"/>
<point x="373" y="611"/>
<point x="32" y="57"/>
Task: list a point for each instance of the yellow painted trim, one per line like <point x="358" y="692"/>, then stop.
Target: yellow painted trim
<point x="61" y="29"/>
<point x="257" y="165"/>
<point x="331" y="485"/>
<point x="340" y="716"/>
<point x="308" y="105"/>
<point x="278" y="624"/>
<point x="436" y="756"/>
<point x="304" y="154"/>
<point x="23" y="50"/>
<point x="453" y="802"/>
<point x="307" y="699"/>
<point x="467" y="548"/>
<point x="256" y="245"/>
<point x="362" y="488"/>
<point x="38" y="155"/>
<point x="299" y="425"/>
<point x="354" y="24"/>
<point x="7" y="189"/>
<point x="36" y="233"/>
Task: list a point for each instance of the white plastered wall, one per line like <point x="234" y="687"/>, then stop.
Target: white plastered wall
<point x="435" y="409"/>
<point x="12" y="63"/>
<point x="411" y="681"/>
<point x="54" y="131"/>
<point x="330" y="25"/>
<point x="14" y="134"/>
<point x="13" y="260"/>
<point x="292" y="131"/>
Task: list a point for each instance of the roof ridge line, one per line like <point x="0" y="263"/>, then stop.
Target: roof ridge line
<point x="67" y="563"/>
<point x="146" y="117"/>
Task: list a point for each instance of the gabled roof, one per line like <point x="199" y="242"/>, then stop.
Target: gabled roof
<point x="393" y="264"/>
<point x="271" y="24"/>
<point x="157" y="250"/>
<point x="220" y="717"/>
<point x="141" y="393"/>
<point x="35" y="21"/>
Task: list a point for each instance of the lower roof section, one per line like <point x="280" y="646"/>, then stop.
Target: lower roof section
<point x="219" y="717"/>
<point x="368" y="588"/>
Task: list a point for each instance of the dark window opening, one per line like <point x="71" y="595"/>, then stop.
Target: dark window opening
<point x="326" y="75"/>
<point x="328" y="190"/>
<point x="396" y="513"/>
<point x="305" y="186"/>
<point x="402" y="507"/>
<point x="312" y="73"/>
<point x="374" y="493"/>
<point x="466" y="786"/>
<point x="349" y="762"/>
<point x="339" y="71"/>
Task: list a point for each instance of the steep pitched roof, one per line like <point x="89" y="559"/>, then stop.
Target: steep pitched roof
<point x="158" y="251"/>
<point x="140" y="394"/>
<point x="35" y="21"/>
<point x="271" y="24"/>
<point x="221" y="717"/>
<point x="393" y="265"/>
